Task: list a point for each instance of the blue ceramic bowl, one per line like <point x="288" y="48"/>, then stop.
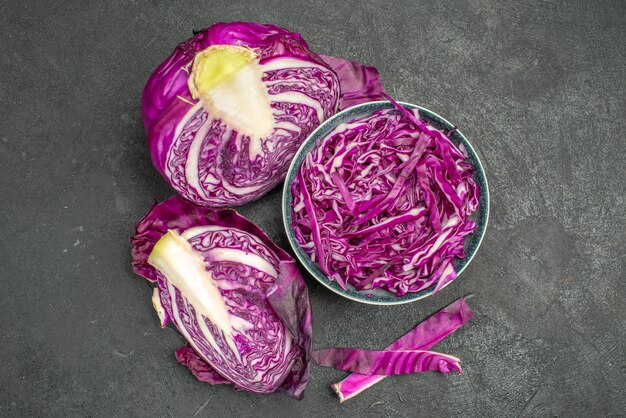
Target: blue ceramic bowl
<point x="380" y="296"/>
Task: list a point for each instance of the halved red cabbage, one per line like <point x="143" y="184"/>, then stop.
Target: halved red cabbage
<point x="238" y="300"/>
<point x="384" y="201"/>
<point x="387" y="362"/>
<point x="423" y="337"/>
<point x="226" y="112"/>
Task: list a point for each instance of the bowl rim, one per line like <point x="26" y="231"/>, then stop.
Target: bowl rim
<point x="286" y="204"/>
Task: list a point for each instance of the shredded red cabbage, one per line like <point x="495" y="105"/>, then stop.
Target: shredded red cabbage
<point x="384" y="202"/>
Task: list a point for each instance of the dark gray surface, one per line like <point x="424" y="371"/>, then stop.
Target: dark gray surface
<point x="538" y="87"/>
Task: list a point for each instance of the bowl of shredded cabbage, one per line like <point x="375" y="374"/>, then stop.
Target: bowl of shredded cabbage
<point x="386" y="203"/>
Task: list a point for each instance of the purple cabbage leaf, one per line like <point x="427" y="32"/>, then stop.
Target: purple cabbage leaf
<point x="423" y="337"/>
<point x="387" y="362"/>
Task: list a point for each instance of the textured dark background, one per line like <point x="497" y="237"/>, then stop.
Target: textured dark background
<point x="538" y="88"/>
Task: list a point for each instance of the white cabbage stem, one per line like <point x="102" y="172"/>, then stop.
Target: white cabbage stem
<point x="227" y="80"/>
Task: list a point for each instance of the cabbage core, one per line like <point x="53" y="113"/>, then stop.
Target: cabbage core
<point x="184" y="268"/>
<point x="227" y="79"/>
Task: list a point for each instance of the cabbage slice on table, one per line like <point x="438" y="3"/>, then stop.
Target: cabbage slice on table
<point x="237" y="299"/>
<point x="226" y="112"/>
<point x="387" y="362"/>
<point x="423" y="337"/>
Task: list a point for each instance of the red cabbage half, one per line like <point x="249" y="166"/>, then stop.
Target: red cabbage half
<point x="237" y="299"/>
<point x="384" y="201"/>
<point x="226" y="112"/>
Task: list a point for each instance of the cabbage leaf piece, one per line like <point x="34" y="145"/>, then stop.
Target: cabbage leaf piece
<point x="423" y="337"/>
<point x="387" y="362"/>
